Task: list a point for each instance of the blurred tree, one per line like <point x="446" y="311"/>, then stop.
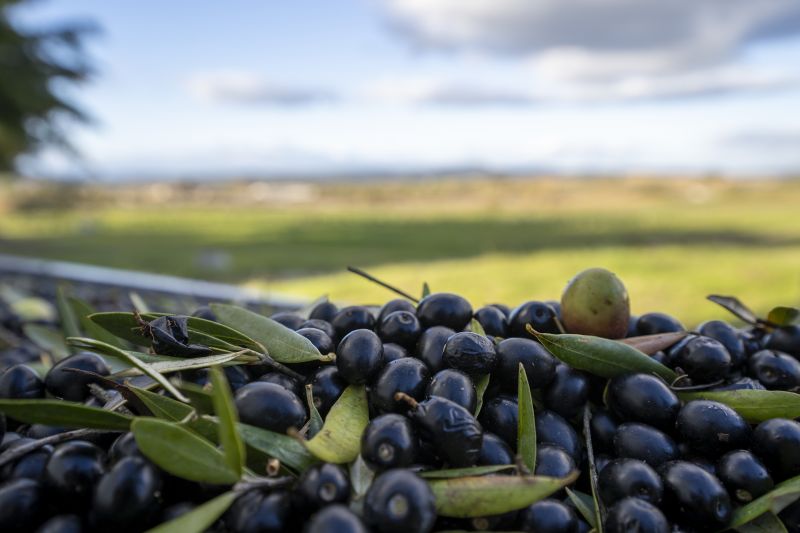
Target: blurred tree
<point x="34" y="66"/>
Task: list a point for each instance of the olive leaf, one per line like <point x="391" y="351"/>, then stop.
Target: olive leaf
<point x="161" y="406"/>
<point x="476" y="327"/>
<point x="426" y="289"/>
<point x="193" y="363"/>
<point x="526" y="425"/>
<point x="650" y="344"/>
<point x="753" y="405"/>
<point x="468" y="497"/>
<point x="472" y="471"/>
<point x="780" y="497"/>
<point x="480" y="388"/>
<point x="584" y="503"/>
<point x="599" y="356"/>
<point x="64" y="414"/>
<point x="599" y="510"/>
<point x="315" y="419"/>
<point x="199" y="519"/>
<point x="199" y="397"/>
<point x="138" y="302"/>
<point x="281" y="343"/>
<point x="182" y="452"/>
<point x="47" y="339"/>
<point x="70" y="324"/>
<point x="783" y="316"/>
<point x="287" y="450"/>
<point x="361" y="476"/>
<point x="735" y="306"/>
<point x="82" y="310"/>
<point x="339" y="440"/>
<point x="766" y="523"/>
<point x="225" y="409"/>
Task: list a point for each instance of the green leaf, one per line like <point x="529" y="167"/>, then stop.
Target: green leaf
<point x="783" y="495"/>
<point x="476" y="327"/>
<point x="783" y="316"/>
<point x="490" y="495"/>
<point x="650" y="344"/>
<point x="472" y="471"/>
<point x="64" y="414"/>
<point x="70" y="324"/>
<point x="754" y="405"/>
<point x="315" y="419"/>
<point x="83" y="310"/>
<point x="526" y="425"/>
<point x="122" y="325"/>
<point x="138" y="303"/>
<point x="181" y="452"/>
<point x="601" y="357"/>
<point x="47" y="339"/>
<point x="361" y="476"/>
<point x="339" y="440"/>
<point x="480" y="389"/>
<point x="584" y="503"/>
<point x="199" y="397"/>
<point x="282" y="344"/>
<point x="735" y="306"/>
<point x="200" y="518"/>
<point x="225" y="409"/>
<point x="426" y="289"/>
<point x="597" y="504"/>
<point x="287" y="450"/>
<point x="766" y="523"/>
<point x="193" y="363"/>
<point x="161" y="406"/>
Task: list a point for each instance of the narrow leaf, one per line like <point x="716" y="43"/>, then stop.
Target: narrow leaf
<point x="287" y="450"/>
<point x="601" y="357"/>
<point x="315" y="419"/>
<point x="64" y="414"/>
<point x="732" y="304"/>
<point x="82" y="310"/>
<point x="161" y="406"/>
<point x="766" y="523"/>
<point x="199" y="519"/>
<point x="480" y="389"/>
<point x="178" y="365"/>
<point x="181" y="452"/>
<point x="526" y="425"/>
<point x="754" y="405"/>
<point x="47" y="339"/>
<point x="138" y="303"/>
<point x="426" y="289"/>
<point x="599" y="510"/>
<point x="70" y="324"/>
<point x="490" y="495"/>
<point x="476" y="327"/>
<point x="584" y="503"/>
<point x="232" y="444"/>
<point x="650" y="344"/>
<point x="339" y="440"/>
<point x="282" y="344"/>
<point x="783" y="316"/>
<point x="452" y="473"/>
<point x="783" y="495"/>
<point x="361" y="477"/>
<point x="199" y="397"/>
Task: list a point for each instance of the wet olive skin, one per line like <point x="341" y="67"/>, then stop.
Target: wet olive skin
<point x="392" y="352"/>
<point x="603" y="427"/>
<point x="287" y="382"/>
<point x="470" y="352"/>
<point x="639" y="441"/>
<point x="321" y="340"/>
<point x="359" y="356"/>
<point x="22" y="505"/>
<point x="352" y="318"/>
<point x="539" y="315"/>
<point x="695" y="495"/>
<point x="124" y="446"/>
<point x="326" y="386"/>
<point x="336" y="518"/>
<point x="21" y="382"/>
<point x="777" y="443"/>
<point x="553" y="461"/>
<point x="653" y="323"/>
<point x="539" y="365"/>
<point x="727" y="336"/>
<point x="775" y="370"/>
<point x="72" y="471"/>
<point x="633" y="514"/>
<point x="326" y="311"/>
<point x="125" y="498"/>
<point x="624" y="478"/>
<point x="568" y="392"/>
<point x="499" y="416"/>
<point x="455" y="386"/>
<point x="492" y="320"/>
<point x="430" y="347"/>
<point x="705" y="360"/>
<point x="30" y="466"/>
<point x="389" y="441"/>
<point x="450" y="429"/>
<point x="643" y="398"/>
<point x="444" y="309"/>
<point x="548" y="516"/>
<point x="744" y="475"/>
<point x="711" y="428"/>
<point x="270" y="406"/>
<point x="785" y="339"/>
<point x="323" y="484"/>
<point x="400" y="327"/>
<point x="260" y="512"/>
<point x="398" y="304"/>
<point x="406" y="375"/>
<point x="73" y="386"/>
<point x="399" y="501"/>
<point x="551" y="428"/>
<point x="494" y="451"/>
<point x="322" y="325"/>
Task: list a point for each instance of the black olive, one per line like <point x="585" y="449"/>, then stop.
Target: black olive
<point x="777" y="443"/>
<point x="324" y="311"/>
<point x="23" y="506"/>
<point x="449" y="428"/>
<point x="72" y="472"/>
<point x="400" y="327"/>
<point x="389" y="441"/>
<point x="568" y="392"/>
<point x="30" y="466"/>
<point x="359" y="356"/>
<point x="500" y="416"/>
<point x="790" y="517"/>
<point x="604" y="428"/>
<point x="327" y="385"/>
<point x="470" y="352"/>
<point x="493" y="321"/>
<point x="711" y="428"/>
<point x="126" y="497"/>
<point x="744" y="475"/>
<point x="728" y="336"/>
<point x="322" y="325"/>
<point x="635" y="515"/>
<point x="408" y="375"/>
<point x="21" y="382"/>
<point x="551" y="428"/>
<point x="444" y="309"/>
<point x="323" y="484"/>
<point x="705" y="360"/>
<point x="548" y="516"/>
<point x="399" y="501"/>
<point x="40" y="431"/>
<point x="785" y="339"/>
<point x="494" y="451"/>
<point x="775" y="370"/>
<point x="321" y="340"/>
<point x="63" y="523"/>
<point x="205" y="313"/>
<point x="398" y="304"/>
<point x="335" y="519"/>
<point x="430" y="347"/>
<point x="694" y="495"/>
<point x="653" y="323"/>
<point x="553" y="461"/>
<point x="539" y="365"/>
<point x="292" y="321"/>
<point x="260" y="512"/>
<point x="643" y="398"/>
<point x="624" y="478"/>
<point x="455" y="386"/>
<point x="541" y="316"/>
<point x="646" y="443"/>
<point x="287" y="382"/>
<point x="392" y="352"/>
<point x="352" y="318"/>
<point x="124" y="446"/>
<point x="170" y="336"/>
<point x="270" y="406"/>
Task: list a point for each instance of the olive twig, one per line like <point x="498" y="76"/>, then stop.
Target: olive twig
<point x="262" y="483"/>
<point x="403" y="397"/>
<point x="265" y="359"/>
<point x="373" y="279"/>
<point x="20" y="451"/>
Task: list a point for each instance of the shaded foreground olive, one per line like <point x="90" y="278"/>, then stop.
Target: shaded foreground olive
<point x="595" y="302"/>
<point x="744" y="475"/>
<point x="493" y="321"/>
<point x="551" y="428"/>
<point x="624" y="478"/>
<point x="23" y="506"/>
<point x="321" y="340"/>
<point x="455" y="386"/>
<point x="30" y="466"/>
<point x="336" y="518"/>
<point x="389" y="441"/>
<point x="603" y="427"/>
<point x="553" y="461"/>
<point x="326" y="386"/>
<point x="500" y="416"/>
<point x="408" y="375"/>
<point x="126" y="497"/>
<point x="72" y="472"/>
<point x="539" y="365"/>
<point x="323" y="484"/>
<point x="287" y="382"/>
<point x="359" y="356"/>
<point x="694" y="496"/>
<point x="63" y="523"/>
<point x="270" y="406"/>
<point x="64" y="382"/>
<point x="494" y="451"/>
<point x="775" y="370"/>
<point x="399" y="501"/>
<point x="392" y="352"/>
<point x="470" y="352"/>
<point x="398" y="304"/>
<point x="568" y="392"/>
<point x="259" y="511"/>
<point x="711" y="428"/>
<point x="21" y="382"/>
<point x="548" y="516"/>
<point x="643" y="398"/>
<point x="646" y="443"/>
<point x="635" y="515"/>
<point x="444" y="309"/>
<point x="777" y="443"/>
<point x="430" y="347"/>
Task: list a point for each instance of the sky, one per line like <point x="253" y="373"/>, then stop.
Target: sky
<point x="318" y="87"/>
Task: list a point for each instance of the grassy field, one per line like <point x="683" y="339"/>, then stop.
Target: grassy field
<point x="672" y="241"/>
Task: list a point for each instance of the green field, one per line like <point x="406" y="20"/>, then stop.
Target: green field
<point x="672" y="241"/>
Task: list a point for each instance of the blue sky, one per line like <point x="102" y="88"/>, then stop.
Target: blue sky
<point x="313" y="87"/>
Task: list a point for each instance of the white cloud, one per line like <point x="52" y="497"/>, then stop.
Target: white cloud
<point x="249" y="88"/>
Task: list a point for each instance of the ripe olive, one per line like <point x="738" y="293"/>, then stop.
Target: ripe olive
<point x="539" y="315"/>
<point x="22" y="506"/>
<point x="744" y="475"/>
<point x="551" y="428"/>
<point x="624" y="478"/>
<point x="63" y="382"/>
<point x="321" y="340"/>
<point x="287" y="382"/>
<point x="63" y="523"/>
<point x="430" y="347"/>
<point x="30" y="466"/>
<point x="494" y="451"/>
<point x="553" y="461"/>
<point x="493" y="321"/>
<point x="785" y="339"/>
<point x="643" y="398"/>
<point x="126" y="497"/>
<point x="711" y="428"/>
<point x="646" y="443"/>
<point x="775" y="370"/>
<point x="259" y="511"/>
<point x="323" y="484"/>
<point x="322" y="325"/>
<point x="705" y="360"/>
<point x="455" y="386"/>
<point x="336" y="518"/>
<point x="539" y="365"/>
<point x="444" y="309"/>
<point x="568" y="392"/>
<point x="392" y="351"/>
<point x="270" y="406"/>
<point x="399" y="501"/>
<point x="499" y="415"/>
<point x="470" y="352"/>
<point x="653" y="323"/>
<point x="72" y="471"/>
<point x="359" y="356"/>
<point x="323" y="311"/>
<point x="450" y="429"/>
<point x="400" y="327"/>
<point x="548" y="516"/>
<point x="21" y="382"/>
<point x="728" y="336"/>
<point x="326" y="386"/>
<point x="408" y="375"/>
<point x="389" y="441"/>
<point x="352" y="318"/>
<point x="777" y="443"/>
<point x="635" y="515"/>
<point x="603" y="426"/>
<point x="694" y="495"/>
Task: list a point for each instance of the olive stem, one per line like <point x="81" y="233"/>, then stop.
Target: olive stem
<point x="20" y="451"/>
<point x="262" y="483"/>
<point x="521" y="466"/>
<point x="272" y="363"/>
<point x="403" y="397"/>
<point x="373" y="279"/>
